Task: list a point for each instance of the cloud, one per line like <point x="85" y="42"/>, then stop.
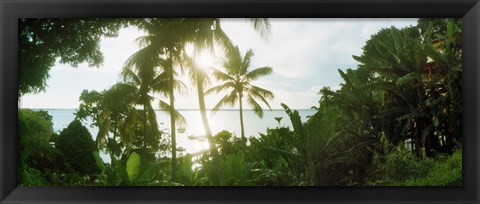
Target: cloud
<point x="304" y="47"/>
<point x="115" y="52"/>
<point x="304" y="54"/>
<point x="118" y="50"/>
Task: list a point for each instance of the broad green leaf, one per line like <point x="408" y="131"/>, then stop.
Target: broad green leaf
<point x="435" y="122"/>
<point x="120" y="170"/>
<point x="186" y="169"/>
<point x="392" y="111"/>
<point x="407" y="78"/>
<point x="149" y="171"/>
<point x="99" y="161"/>
<point x="413" y="114"/>
<point x="133" y="166"/>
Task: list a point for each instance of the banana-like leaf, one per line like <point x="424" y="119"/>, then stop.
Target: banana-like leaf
<point x="407" y="78"/>
<point x="186" y="169"/>
<point x="99" y="161"/>
<point x="133" y="166"/>
<point x="120" y="170"/>
<point x="391" y="111"/>
<point x="414" y="114"/>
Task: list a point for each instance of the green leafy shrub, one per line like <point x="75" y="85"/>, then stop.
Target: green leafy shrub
<point x="31" y="177"/>
<point x="37" y="155"/>
<point x="35" y="130"/>
<point x="402" y="168"/>
<point x="76" y="143"/>
<point x="228" y="143"/>
<point x="133" y="173"/>
<point x="445" y="172"/>
<point x="401" y="165"/>
<point x="274" y="157"/>
<point x="236" y="171"/>
<point x="186" y="174"/>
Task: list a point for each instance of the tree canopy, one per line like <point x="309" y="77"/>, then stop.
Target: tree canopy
<point x="76" y="143"/>
<point x="43" y="41"/>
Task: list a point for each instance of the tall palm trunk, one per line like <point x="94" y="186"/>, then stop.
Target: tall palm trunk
<point x="203" y="112"/>
<point x="112" y="156"/>
<point x="241" y="121"/>
<point x="208" y="132"/>
<point x="173" y="130"/>
<point x="200" y="79"/>
<point x="172" y="115"/>
<point x="144" y="124"/>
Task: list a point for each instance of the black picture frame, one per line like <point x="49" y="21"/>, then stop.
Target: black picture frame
<point x="11" y="10"/>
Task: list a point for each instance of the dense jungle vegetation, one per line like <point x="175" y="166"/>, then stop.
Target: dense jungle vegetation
<point x="396" y="119"/>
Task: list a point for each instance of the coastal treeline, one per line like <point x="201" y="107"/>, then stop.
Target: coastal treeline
<point x="395" y="120"/>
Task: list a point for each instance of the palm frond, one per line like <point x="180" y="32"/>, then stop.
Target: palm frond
<point x="247" y="58"/>
<point x="258" y="72"/>
<point x="189" y="62"/>
<point x="221" y="37"/>
<point x="222" y="76"/>
<point x="145" y="57"/>
<point x="127" y="130"/>
<point x="257" y="109"/>
<point x="264" y="92"/>
<point x="178" y="117"/>
<point x="179" y="86"/>
<point x="233" y="62"/>
<point x="152" y="117"/>
<point x="221" y="87"/>
<point x="262" y="25"/>
<point x="228" y="99"/>
<point x="160" y="83"/>
<point x="130" y="76"/>
<point x="144" y="41"/>
<point x="203" y="77"/>
<point x="261" y="94"/>
<point x="103" y="129"/>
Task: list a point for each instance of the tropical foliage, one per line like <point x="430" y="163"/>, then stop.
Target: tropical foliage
<point x="394" y="120"/>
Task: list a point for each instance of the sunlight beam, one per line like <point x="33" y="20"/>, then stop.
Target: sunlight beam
<point x="205" y="60"/>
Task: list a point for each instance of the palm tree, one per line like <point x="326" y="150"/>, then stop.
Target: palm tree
<point x="114" y="113"/>
<point x="163" y="47"/>
<point x="141" y="72"/>
<point x="238" y="79"/>
<point x="204" y="34"/>
<point x="169" y="37"/>
<point x="109" y="110"/>
<point x="171" y="84"/>
<point x="161" y="84"/>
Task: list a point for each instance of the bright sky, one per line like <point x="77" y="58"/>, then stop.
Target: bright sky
<point x="304" y="54"/>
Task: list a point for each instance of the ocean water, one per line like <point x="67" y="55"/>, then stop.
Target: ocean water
<point x="222" y="120"/>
